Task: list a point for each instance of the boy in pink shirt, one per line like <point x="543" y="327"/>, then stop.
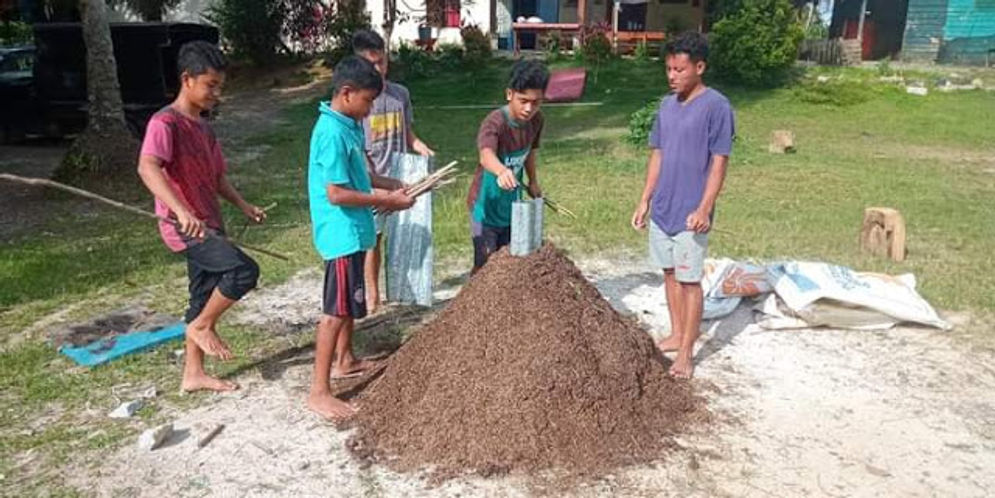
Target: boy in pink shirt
<point x="182" y="165"/>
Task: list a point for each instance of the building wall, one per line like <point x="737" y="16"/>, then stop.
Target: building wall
<point x="478" y="12"/>
<point x="950" y="31"/>
<point x="658" y="15"/>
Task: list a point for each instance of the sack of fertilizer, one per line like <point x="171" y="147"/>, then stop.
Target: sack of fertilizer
<point x="804" y="286"/>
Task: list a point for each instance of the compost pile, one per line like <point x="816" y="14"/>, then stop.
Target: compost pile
<point x="528" y="368"/>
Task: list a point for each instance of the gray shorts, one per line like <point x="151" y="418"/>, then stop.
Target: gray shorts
<point x="683" y="252"/>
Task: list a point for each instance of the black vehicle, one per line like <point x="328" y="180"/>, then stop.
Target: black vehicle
<point x="16" y="92"/>
<point x="53" y="101"/>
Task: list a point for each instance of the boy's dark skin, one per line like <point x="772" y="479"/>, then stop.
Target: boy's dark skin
<point x="198" y="94"/>
<point x="333" y="354"/>
<point x="684" y="299"/>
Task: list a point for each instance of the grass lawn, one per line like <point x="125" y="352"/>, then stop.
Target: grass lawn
<point x="930" y="157"/>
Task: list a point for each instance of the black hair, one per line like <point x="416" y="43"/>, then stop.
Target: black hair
<point x="366" y="39"/>
<point x="358" y="73"/>
<point x="196" y="57"/>
<point x="692" y="43"/>
<point x="528" y="75"/>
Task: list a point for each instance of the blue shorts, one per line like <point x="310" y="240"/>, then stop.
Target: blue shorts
<point x="684" y="253"/>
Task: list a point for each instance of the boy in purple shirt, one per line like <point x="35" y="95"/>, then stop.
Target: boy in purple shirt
<point x="690" y="144"/>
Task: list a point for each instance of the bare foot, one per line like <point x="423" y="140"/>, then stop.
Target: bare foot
<point x="669" y="344"/>
<point x="204" y="382"/>
<point x="352" y="369"/>
<point x="330" y="407"/>
<point x="208" y="341"/>
<point x="682" y="368"/>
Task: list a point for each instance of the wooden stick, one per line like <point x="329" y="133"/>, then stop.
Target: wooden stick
<point x="245" y="227"/>
<point x="44" y="182"/>
<point x="210" y="435"/>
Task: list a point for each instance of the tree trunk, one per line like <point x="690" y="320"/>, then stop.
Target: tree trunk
<point x="106" y="148"/>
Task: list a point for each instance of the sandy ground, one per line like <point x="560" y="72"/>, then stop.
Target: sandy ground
<point x="902" y="412"/>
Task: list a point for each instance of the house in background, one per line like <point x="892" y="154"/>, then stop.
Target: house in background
<point x="943" y="31"/>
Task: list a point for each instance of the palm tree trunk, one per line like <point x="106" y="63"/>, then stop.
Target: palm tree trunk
<point x="105" y="147"/>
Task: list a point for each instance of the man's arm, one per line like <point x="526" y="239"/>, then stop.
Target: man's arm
<point x="415" y="143"/>
<point x="505" y="176"/>
<point x="229" y="193"/>
<point x="390" y="201"/>
<point x="652" y="174"/>
<point x="700" y="219"/>
<point x="386" y="183"/>
<point x="150" y="171"/>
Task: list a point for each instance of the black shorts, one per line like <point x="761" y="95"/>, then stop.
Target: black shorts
<point x="487" y="240"/>
<point x="216" y="263"/>
<point x="345" y="286"/>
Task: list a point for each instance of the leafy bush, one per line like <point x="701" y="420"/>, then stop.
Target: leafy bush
<point x="641" y="122"/>
<point x="410" y="63"/>
<point x="348" y="18"/>
<point x="307" y="24"/>
<point x="250" y="28"/>
<point x="553" y="44"/>
<point x="15" y="33"/>
<point x="756" y="44"/>
<point x="596" y="46"/>
<point x="476" y="45"/>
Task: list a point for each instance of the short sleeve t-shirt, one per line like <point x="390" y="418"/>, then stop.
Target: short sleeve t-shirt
<point x="386" y="127"/>
<point x="512" y="141"/>
<point x="688" y="135"/>
<point x="337" y="157"/>
<point x="193" y="164"/>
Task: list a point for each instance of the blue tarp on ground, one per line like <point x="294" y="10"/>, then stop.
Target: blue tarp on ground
<point x="107" y="349"/>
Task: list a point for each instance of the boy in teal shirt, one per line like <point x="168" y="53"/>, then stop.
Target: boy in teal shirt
<point x="341" y="195"/>
<point x="507" y="141"/>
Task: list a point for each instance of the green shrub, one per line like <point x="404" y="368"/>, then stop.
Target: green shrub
<point x="348" y="18"/>
<point x="756" y="44"/>
<point x="552" y="43"/>
<point x="596" y="46"/>
<point x="476" y="45"/>
<point x="250" y="28"/>
<point x="15" y="33"/>
<point x="409" y="63"/>
<point x="641" y="122"/>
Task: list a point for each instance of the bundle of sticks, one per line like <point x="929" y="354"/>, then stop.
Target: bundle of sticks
<point x="437" y="179"/>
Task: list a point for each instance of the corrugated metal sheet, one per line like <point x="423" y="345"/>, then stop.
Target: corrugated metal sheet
<point x="969" y="31"/>
<point x="924" y="29"/>
<point x="949" y="30"/>
<point x="409" y="238"/>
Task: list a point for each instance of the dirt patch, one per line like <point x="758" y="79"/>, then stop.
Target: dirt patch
<point x="529" y="368"/>
<point x="131" y="319"/>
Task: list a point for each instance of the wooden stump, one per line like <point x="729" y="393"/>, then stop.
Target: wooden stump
<point x="883" y="233"/>
<point x="782" y="141"/>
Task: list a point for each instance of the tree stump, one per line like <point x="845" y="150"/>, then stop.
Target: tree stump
<point x="782" y="141"/>
<point x="883" y="233"/>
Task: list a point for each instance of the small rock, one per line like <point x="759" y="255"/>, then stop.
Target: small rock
<point x="149" y="393"/>
<point x="917" y="90"/>
<point x="303" y="465"/>
<point x="126" y="410"/>
<point x="178" y="355"/>
<point x="153" y="438"/>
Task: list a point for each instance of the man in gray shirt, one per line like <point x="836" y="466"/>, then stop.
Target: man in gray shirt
<point x="388" y="132"/>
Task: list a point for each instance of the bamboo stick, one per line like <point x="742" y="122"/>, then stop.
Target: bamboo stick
<point x="44" y="182"/>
